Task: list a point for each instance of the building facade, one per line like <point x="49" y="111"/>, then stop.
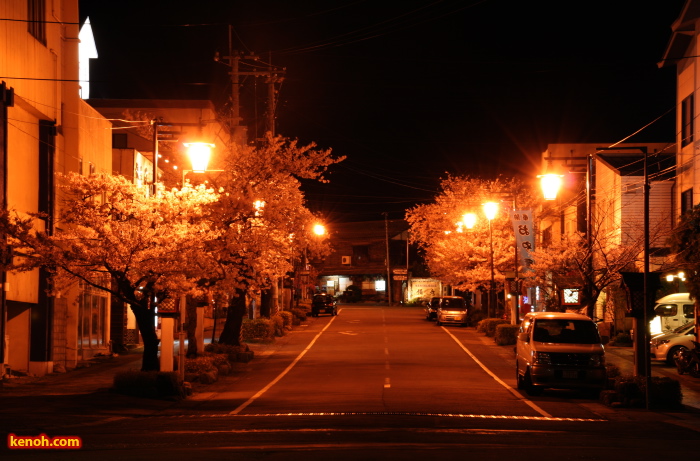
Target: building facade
<point x="45" y="129"/>
<point x="606" y="186"/>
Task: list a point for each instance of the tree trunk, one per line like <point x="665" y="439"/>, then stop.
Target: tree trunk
<point x="266" y="303"/>
<point x="232" y="333"/>
<point x="191" y="309"/>
<point x="145" y="319"/>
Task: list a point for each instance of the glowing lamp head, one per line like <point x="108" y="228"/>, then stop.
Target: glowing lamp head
<point x="551" y="183"/>
<point x="469" y="220"/>
<point x="199" y="153"/>
<point x="490" y="210"/>
<point x="319" y="229"/>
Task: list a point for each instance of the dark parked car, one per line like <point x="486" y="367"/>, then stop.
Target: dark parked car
<point x="323" y="304"/>
<point x="431" y="308"/>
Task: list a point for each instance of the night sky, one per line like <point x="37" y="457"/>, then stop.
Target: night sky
<point x="408" y="90"/>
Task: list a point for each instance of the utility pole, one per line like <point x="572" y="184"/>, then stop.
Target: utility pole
<point x="388" y="263"/>
<point x="254" y="68"/>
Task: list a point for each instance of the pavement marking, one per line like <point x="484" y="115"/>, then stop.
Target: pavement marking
<point x="242" y="406"/>
<point x="392" y="413"/>
<point x="517" y="394"/>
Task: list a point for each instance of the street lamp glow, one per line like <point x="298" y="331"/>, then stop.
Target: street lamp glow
<point x="469" y="220"/>
<point x="199" y="153"/>
<point x="490" y="210"/>
<point x="551" y="183"/>
<point x="319" y="229"/>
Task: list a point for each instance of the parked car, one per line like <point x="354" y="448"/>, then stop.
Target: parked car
<point x="452" y="309"/>
<point x="671" y="312"/>
<point x="431" y="308"/>
<point x="323" y="303"/>
<point x="559" y="350"/>
<point x="666" y="346"/>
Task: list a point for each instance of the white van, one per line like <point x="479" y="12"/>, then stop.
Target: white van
<point x="559" y="350"/>
<point x="671" y="312"/>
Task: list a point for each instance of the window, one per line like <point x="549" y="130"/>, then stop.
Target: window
<point x="92" y="314"/>
<point x="360" y="254"/>
<point x="119" y="141"/>
<point x="36" y="17"/>
<point x="686" y="200"/>
<point x="687" y="120"/>
<point x="47" y="149"/>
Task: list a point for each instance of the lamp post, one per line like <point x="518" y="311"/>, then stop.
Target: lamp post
<point x="490" y="210"/>
<point x="319" y="230"/>
<point x="642" y="353"/>
<point x="199" y="155"/>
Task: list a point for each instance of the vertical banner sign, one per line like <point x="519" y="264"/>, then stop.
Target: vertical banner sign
<point x="524" y="235"/>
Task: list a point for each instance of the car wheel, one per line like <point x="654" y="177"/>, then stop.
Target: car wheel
<point x="530" y="388"/>
<point x="673" y="353"/>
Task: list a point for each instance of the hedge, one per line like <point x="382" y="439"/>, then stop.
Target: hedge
<point x="260" y="329"/>
<point x="506" y="334"/>
<point x="488" y="326"/>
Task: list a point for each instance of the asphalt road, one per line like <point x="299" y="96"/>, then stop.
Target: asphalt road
<point x="372" y="383"/>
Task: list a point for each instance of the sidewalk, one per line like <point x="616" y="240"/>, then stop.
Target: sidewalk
<point x="623" y="358"/>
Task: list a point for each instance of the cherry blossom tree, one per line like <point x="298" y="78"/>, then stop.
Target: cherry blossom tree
<point x="143" y="249"/>
<point x="262" y="220"/>
<point x="460" y="256"/>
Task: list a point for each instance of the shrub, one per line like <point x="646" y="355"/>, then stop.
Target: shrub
<point x="506" y="334"/>
<point x="488" y="326"/>
<point x="230" y="351"/>
<point x="612" y="371"/>
<point x="622" y="339"/>
<point x="200" y="364"/>
<point x="287" y="317"/>
<point x="278" y="324"/>
<point x="261" y="329"/>
<point x="664" y="393"/>
<point x="299" y="313"/>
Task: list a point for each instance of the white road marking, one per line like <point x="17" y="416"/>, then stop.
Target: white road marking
<point x="281" y="375"/>
<point x="499" y="380"/>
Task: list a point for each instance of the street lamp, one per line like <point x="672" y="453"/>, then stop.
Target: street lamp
<point x="199" y="153"/>
<point x="551" y="183"/>
<point x="490" y="210"/>
<point x="469" y="220"/>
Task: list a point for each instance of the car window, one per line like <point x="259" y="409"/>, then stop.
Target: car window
<point x="565" y="331"/>
<point x="689" y="311"/>
<point x="666" y="310"/>
<point x="453" y="303"/>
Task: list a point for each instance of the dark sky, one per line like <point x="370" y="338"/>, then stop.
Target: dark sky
<point x="408" y="90"/>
